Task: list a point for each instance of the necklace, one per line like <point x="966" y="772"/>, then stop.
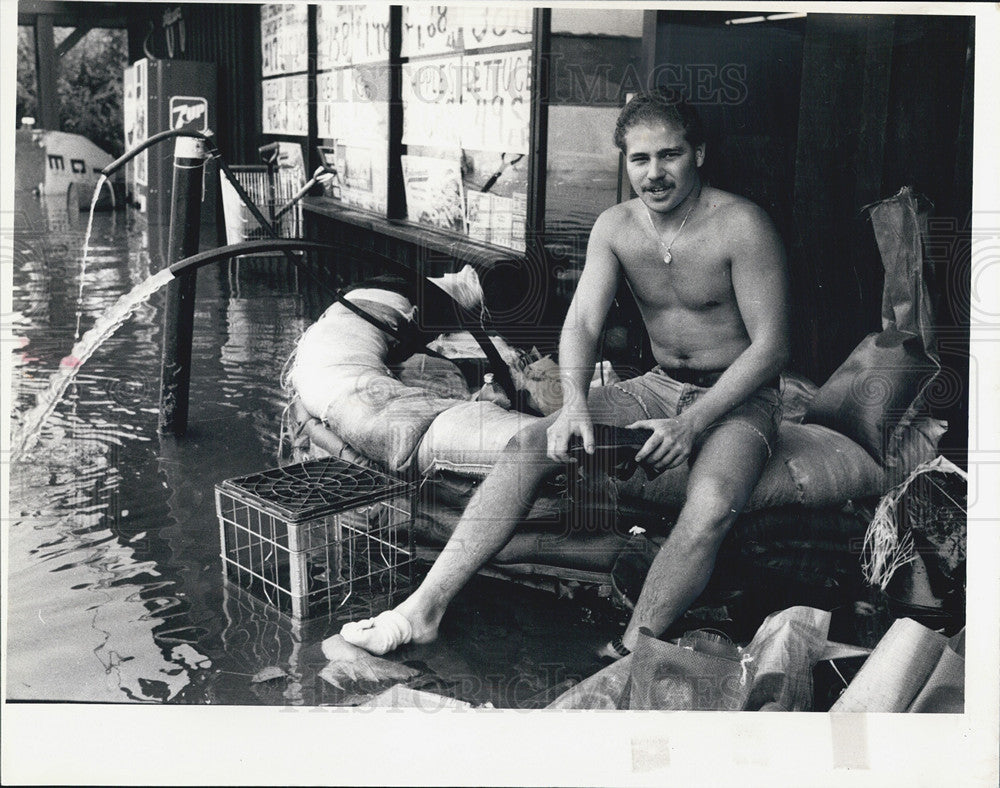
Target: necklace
<point x="667" y="256"/>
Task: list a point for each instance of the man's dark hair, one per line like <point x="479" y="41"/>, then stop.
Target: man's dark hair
<point x="660" y="106"/>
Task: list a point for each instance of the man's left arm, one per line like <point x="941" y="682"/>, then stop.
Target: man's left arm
<point x="760" y="281"/>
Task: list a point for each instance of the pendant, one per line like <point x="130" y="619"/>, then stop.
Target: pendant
<point x="667" y="257"/>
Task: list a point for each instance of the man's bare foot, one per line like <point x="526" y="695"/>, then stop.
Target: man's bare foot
<point x="424" y="619"/>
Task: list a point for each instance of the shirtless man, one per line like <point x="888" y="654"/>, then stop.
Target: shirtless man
<point x="707" y="269"/>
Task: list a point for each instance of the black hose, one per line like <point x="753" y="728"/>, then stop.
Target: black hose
<point x="287" y="245"/>
<point x="145" y="43"/>
<point x="213" y="152"/>
<point x="126" y="157"/>
<point x="284" y="245"/>
<point x="246" y="247"/>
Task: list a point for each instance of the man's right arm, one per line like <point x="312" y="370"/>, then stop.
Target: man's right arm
<point x="580" y="334"/>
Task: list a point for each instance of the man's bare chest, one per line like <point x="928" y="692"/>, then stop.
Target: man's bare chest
<point x="698" y="277"/>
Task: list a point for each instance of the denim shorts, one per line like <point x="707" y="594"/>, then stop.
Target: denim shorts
<point x="656" y="395"/>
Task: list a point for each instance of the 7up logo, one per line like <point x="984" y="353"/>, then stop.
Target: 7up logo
<point x="189" y="112"/>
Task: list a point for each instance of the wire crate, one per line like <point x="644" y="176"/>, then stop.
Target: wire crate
<point x="240" y="222"/>
<point x="318" y="538"/>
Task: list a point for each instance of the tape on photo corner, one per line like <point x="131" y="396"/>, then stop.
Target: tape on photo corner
<point x="849" y="741"/>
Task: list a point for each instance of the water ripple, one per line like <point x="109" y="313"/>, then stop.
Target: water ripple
<point x="115" y="588"/>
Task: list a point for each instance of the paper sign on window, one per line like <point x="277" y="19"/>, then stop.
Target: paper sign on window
<point x="496" y="101"/>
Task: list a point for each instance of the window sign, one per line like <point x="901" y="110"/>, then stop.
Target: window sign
<point x="434" y="193"/>
<point x="352" y="104"/>
<point x="431" y="30"/>
<point x="497" y="220"/>
<point x="466" y="91"/>
<point x="439" y="29"/>
<point x="333" y="35"/>
<point x="333" y="93"/>
<point x="488" y="26"/>
<point x="352" y="99"/>
<point x="496" y="101"/>
<point x="369" y="34"/>
<point x="284" y="39"/>
<point x="431" y="96"/>
<point x="362" y="115"/>
<point x="286" y="105"/>
<point x="362" y="177"/>
<point x="466" y="87"/>
<point x="350" y="34"/>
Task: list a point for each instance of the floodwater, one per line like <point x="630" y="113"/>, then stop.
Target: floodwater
<point x="116" y="590"/>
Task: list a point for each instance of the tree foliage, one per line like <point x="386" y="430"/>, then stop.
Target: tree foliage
<point x="89" y="84"/>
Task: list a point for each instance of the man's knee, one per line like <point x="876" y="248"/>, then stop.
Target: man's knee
<point x="710" y="510"/>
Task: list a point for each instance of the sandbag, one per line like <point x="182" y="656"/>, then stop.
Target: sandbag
<point x="871" y="394"/>
<point x="339" y="373"/>
<point x="786" y="647"/>
<point x="797" y="391"/>
<point x="812" y="465"/>
<point x="469" y="437"/>
<point x="436" y="375"/>
<point x="676" y="678"/>
<point x="880" y="386"/>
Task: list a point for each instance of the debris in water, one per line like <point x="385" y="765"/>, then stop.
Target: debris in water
<point x="399" y="696"/>
<point x="352" y="665"/>
<point x="270" y="673"/>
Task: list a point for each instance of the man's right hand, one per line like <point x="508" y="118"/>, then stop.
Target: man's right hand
<point x="567" y="424"/>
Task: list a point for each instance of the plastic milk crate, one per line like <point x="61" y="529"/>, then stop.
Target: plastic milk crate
<point x="318" y="538"/>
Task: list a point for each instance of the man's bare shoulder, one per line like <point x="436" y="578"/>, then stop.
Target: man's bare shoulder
<point x="617" y="214"/>
<point x="742" y="227"/>
<point x="609" y="224"/>
<point x="737" y="220"/>
<point x="729" y="207"/>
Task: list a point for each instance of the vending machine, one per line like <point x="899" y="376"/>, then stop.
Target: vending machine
<point x="160" y="95"/>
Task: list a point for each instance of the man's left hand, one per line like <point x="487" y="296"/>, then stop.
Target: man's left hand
<point x="669" y="445"/>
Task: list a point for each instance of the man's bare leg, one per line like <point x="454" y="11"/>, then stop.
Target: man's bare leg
<point x="498" y="505"/>
<point x="501" y="502"/>
<point x="489" y="521"/>
<point x="720" y="483"/>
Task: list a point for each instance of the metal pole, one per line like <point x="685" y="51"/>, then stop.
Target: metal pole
<point x="47" y="71"/>
<point x="178" y="314"/>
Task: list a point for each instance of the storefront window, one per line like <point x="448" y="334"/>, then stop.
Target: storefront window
<point x="284" y="61"/>
<point x="594" y="64"/>
<point x="466" y="89"/>
<point x="352" y="100"/>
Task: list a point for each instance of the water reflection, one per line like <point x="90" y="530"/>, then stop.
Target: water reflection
<point x="77" y="629"/>
<point x="115" y="587"/>
<point x="262" y="329"/>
